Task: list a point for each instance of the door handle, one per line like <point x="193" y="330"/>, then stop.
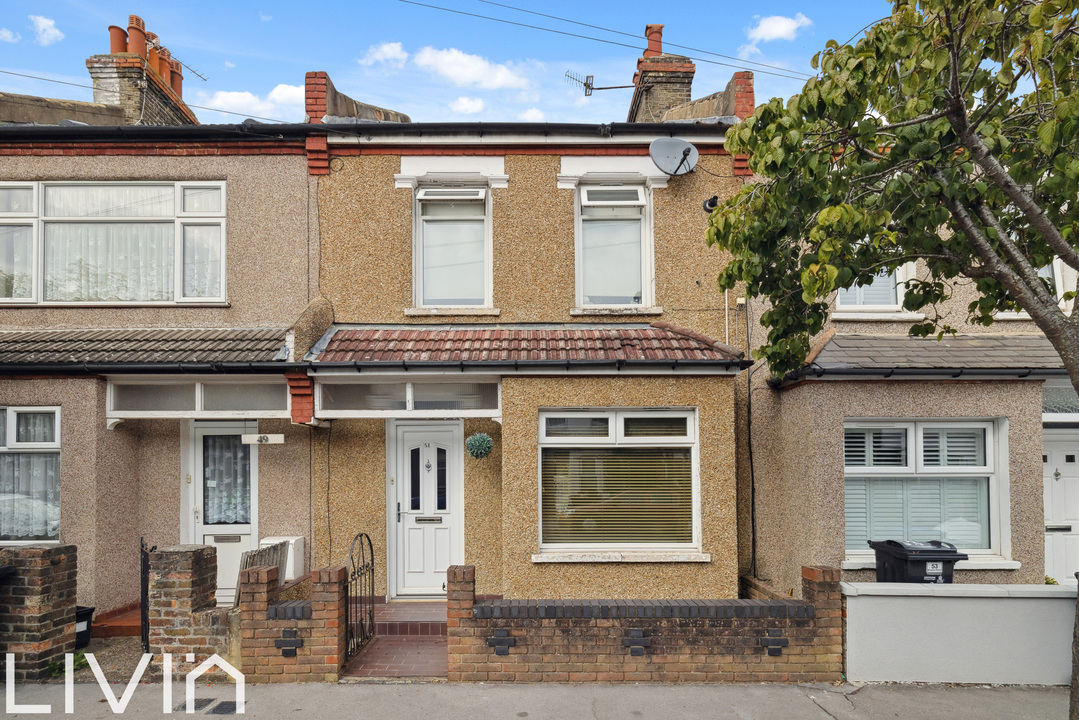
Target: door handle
<point x="398" y="512"/>
<point x="196" y="514"/>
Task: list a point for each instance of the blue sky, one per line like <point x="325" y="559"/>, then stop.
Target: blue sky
<point x="430" y="64"/>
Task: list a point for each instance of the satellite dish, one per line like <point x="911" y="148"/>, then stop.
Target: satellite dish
<point x="673" y="156"/>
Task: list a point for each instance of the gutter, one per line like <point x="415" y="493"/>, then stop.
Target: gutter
<point x="271" y="367"/>
<point x="169" y="368"/>
<point x="249" y="130"/>
<point x="814" y="372"/>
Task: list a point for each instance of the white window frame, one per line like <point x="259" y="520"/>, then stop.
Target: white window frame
<point x="435" y="194"/>
<point x="648" y="271"/>
<point x="594" y="552"/>
<point x="903" y="274"/>
<point x="997" y="555"/>
<point x="12" y="446"/>
<point x="409" y="412"/>
<point x="200" y="384"/>
<point x="36" y="219"/>
<point x="1064" y="280"/>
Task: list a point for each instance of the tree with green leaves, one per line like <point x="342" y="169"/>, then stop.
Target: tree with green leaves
<point x="947" y="135"/>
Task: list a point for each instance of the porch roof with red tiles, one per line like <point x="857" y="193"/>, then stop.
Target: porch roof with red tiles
<point x="659" y="343"/>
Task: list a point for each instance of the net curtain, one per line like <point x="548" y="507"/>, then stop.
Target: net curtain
<point x="226" y="463"/>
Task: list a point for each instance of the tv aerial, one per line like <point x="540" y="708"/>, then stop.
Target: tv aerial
<point x="588" y="85"/>
<point x="673" y="156"/>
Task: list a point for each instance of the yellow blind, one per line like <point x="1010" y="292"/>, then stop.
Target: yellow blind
<point x="617" y="495"/>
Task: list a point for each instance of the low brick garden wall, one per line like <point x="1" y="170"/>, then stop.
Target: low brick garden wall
<point x="272" y="634"/>
<point x="764" y="640"/>
<point x="37" y="608"/>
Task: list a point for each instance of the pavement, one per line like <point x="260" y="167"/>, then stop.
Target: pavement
<point x="432" y="701"/>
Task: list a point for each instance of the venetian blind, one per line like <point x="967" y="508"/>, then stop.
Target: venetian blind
<point x="617" y="495"/>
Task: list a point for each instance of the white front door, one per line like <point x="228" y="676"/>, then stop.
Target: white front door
<point x="1060" y="462"/>
<point x="225" y="502"/>
<point x="427" y="493"/>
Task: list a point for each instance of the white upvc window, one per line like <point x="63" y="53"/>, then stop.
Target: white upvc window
<point x="452" y="248"/>
<point x="619" y="480"/>
<point x="236" y="397"/>
<point x="925" y="480"/>
<point x="112" y="243"/>
<point x="29" y="474"/>
<point x="614" y="256"/>
<point x="346" y="396"/>
<point x="883" y="295"/>
<point x="1061" y="278"/>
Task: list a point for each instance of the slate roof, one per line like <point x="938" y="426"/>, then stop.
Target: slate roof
<point x="148" y="345"/>
<point x="612" y="343"/>
<point x="962" y="352"/>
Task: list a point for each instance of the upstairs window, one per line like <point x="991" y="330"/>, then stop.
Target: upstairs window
<point x="453" y="248"/>
<point x="614" y="249"/>
<point x="112" y="243"/>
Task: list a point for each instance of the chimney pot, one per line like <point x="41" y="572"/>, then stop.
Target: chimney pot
<point x="164" y="65"/>
<point x="654" y="33"/>
<point x="117" y="40"/>
<point x="153" y="39"/>
<point x="177" y="78"/>
<point x="136" y="21"/>
<point x="136" y="37"/>
<point x="152" y="58"/>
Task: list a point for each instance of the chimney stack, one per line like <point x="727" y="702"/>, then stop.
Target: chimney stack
<point x="661" y="82"/>
<point x="139" y="77"/>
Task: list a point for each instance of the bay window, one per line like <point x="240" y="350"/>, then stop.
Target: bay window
<point x="618" y="480"/>
<point x="112" y="243"/>
<point x="921" y="481"/>
<point x="29" y="474"/>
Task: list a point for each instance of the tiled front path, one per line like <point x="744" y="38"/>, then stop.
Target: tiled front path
<point x="409" y="642"/>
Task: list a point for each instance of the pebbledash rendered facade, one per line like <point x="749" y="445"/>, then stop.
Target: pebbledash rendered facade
<point x="362" y="294"/>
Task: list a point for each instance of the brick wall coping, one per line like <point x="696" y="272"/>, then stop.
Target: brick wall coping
<point x="958" y="590"/>
<point x="642" y="609"/>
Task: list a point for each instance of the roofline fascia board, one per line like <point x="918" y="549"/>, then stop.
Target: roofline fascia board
<point x="816" y="373"/>
<point x="168" y="368"/>
<point x="271" y="367"/>
<point x="465" y="133"/>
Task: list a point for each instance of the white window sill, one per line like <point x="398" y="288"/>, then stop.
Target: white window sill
<point x="24" y="543"/>
<point x="1011" y="316"/>
<point x="983" y="562"/>
<point x="629" y="556"/>
<point x="577" y="311"/>
<point x="473" y="311"/>
<point x="877" y="316"/>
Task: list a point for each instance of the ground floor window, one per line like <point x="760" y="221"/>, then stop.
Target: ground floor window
<point x="29" y="474"/>
<point x="919" y="481"/>
<point x="618" y="478"/>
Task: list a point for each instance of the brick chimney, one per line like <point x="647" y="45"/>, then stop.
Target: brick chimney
<point x="140" y="77"/>
<point x="662" y="81"/>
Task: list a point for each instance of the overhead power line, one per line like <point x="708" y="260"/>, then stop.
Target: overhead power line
<point x="783" y="74"/>
<point x="91" y="87"/>
<point x="626" y="34"/>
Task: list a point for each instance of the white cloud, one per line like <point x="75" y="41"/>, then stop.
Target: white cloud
<point x="284" y="102"/>
<point x="8" y="36"/>
<point x="265" y="18"/>
<point x="46" y="30"/>
<point x="772" y="27"/>
<point x="465" y="70"/>
<point x="531" y="115"/>
<point x="229" y="65"/>
<point x="390" y="53"/>
<point x="467" y="106"/>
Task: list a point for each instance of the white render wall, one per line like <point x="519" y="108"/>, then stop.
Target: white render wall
<point x="1006" y="634"/>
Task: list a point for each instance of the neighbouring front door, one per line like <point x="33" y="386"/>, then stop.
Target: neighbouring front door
<point x="1060" y="462"/>
<point x="427" y="497"/>
<point x="225" y="501"/>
